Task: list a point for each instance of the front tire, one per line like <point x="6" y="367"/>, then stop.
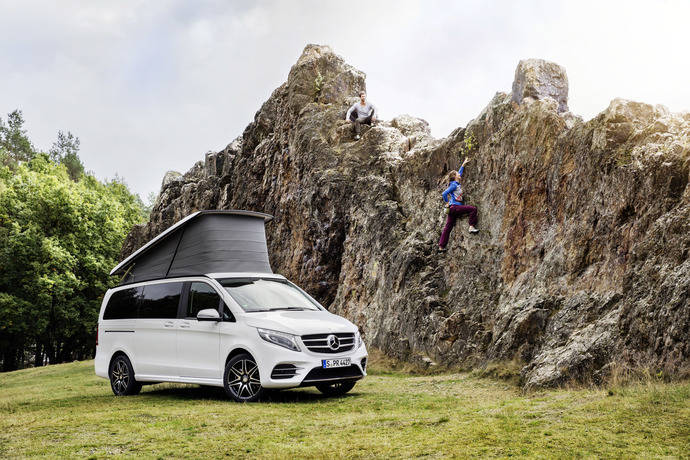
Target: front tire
<point x="241" y="379"/>
<point x="337" y="388"/>
<point x="122" y="379"/>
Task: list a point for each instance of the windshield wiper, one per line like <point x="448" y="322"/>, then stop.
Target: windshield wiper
<point x="279" y="308"/>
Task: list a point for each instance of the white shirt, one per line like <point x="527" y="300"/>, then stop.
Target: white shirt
<point x="363" y="111"/>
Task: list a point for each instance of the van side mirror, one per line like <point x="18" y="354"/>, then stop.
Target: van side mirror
<point x="208" y="314"/>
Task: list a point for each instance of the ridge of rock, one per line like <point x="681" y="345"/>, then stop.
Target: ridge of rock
<point x="582" y="262"/>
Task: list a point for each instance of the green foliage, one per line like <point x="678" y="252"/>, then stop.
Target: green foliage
<point x="470" y="143"/>
<point x="147" y="207"/>
<point x="59" y="238"/>
<point x="66" y="144"/>
<point x="15" y="146"/>
<point x="60" y="233"/>
<point x="318" y="85"/>
<point x="64" y="150"/>
<point x="74" y="166"/>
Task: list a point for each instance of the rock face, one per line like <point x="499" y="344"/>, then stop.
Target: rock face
<point x="539" y="79"/>
<point x="582" y="261"/>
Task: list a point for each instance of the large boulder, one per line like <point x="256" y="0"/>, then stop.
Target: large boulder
<point x="322" y="76"/>
<point x="539" y="79"/>
<point x="169" y="177"/>
<point x="409" y="125"/>
<point x="582" y="263"/>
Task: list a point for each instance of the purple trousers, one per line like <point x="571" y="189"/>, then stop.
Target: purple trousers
<point x="454" y="212"/>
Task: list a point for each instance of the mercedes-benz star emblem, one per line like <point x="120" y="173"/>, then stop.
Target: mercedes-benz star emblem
<point x="333" y="342"/>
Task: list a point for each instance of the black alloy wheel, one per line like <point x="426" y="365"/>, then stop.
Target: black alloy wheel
<point x="241" y="379"/>
<point x="337" y="388"/>
<point x="122" y="377"/>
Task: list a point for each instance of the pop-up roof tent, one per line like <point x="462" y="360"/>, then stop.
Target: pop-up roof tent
<point x="204" y="242"/>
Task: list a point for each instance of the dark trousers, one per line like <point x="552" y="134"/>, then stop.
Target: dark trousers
<point x="454" y="212"/>
<point x="358" y="123"/>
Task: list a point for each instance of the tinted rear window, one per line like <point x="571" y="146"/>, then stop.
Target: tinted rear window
<point x="160" y="300"/>
<point x="122" y="304"/>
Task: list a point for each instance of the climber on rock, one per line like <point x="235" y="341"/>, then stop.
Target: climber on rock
<point x="456" y="208"/>
<point x="361" y="112"/>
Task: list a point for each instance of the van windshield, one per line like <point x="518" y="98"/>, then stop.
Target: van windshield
<point x="256" y="294"/>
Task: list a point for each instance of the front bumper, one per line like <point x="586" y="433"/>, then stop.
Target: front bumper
<point x="308" y="368"/>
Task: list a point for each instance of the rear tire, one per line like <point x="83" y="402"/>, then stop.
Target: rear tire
<point x="241" y="379"/>
<point x="122" y="379"/>
<point x="337" y="388"/>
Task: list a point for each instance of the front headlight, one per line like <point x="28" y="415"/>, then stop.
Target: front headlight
<point x="358" y="339"/>
<point x="281" y="339"/>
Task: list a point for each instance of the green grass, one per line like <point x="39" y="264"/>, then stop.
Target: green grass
<point x="65" y="410"/>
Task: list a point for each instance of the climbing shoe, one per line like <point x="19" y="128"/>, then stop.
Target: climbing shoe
<point x="357" y="137"/>
<point x="473" y="230"/>
<point x="440" y="249"/>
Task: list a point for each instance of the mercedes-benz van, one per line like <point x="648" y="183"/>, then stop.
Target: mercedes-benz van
<point x="243" y="331"/>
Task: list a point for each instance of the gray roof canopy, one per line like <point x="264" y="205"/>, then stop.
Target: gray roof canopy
<point x="204" y="242"/>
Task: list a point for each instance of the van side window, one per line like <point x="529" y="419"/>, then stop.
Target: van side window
<point x="201" y="297"/>
<point x="122" y="304"/>
<point x="160" y="300"/>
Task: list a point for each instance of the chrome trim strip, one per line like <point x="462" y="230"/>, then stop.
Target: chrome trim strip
<point x="331" y="379"/>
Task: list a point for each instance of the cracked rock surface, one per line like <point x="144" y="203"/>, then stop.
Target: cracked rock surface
<point x="582" y="263"/>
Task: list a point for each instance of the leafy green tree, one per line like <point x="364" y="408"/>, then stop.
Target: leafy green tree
<point x="65" y="144"/>
<point x="59" y="238"/>
<point x="74" y="166"/>
<point x="15" y="146"/>
<point x="65" y="150"/>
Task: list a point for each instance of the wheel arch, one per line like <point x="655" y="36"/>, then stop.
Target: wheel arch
<point x="237" y="351"/>
<point x="115" y="354"/>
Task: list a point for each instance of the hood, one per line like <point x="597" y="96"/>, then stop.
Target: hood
<point x="300" y="322"/>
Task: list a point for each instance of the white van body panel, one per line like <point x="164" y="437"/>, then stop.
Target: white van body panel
<point x="300" y="322"/>
<point x="198" y="348"/>
<point x="185" y="350"/>
<point x="155" y="341"/>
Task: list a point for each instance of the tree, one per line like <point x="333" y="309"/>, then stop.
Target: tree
<point x="65" y="151"/>
<point x="150" y="203"/>
<point x="66" y="143"/>
<point x="61" y="231"/>
<point x="58" y="241"/>
<point x="15" y="146"/>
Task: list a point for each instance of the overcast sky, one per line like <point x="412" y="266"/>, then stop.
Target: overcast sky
<point x="151" y="86"/>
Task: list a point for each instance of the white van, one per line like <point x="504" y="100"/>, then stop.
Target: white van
<point x="244" y="331"/>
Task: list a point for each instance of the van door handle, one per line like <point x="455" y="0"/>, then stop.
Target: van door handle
<point x="185" y="326"/>
<point x="168" y="324"/>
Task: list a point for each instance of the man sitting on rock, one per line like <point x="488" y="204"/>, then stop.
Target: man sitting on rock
<point x="361" y="112"/>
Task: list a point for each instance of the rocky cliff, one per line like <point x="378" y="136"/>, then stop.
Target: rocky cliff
<point x="582" y="261"/>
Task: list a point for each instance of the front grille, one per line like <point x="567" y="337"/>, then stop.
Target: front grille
<point x="319" y="374"/>
<point x="284" y="371"/>
<point x="318" y="343"/>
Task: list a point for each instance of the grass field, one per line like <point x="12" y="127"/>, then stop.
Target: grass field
<point x="65" y="410"/>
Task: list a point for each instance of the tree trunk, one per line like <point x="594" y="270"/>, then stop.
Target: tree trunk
<point x="38" y="357"/>
<point x="9" y="359"/>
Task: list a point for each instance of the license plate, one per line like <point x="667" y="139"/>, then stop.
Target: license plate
<point x="342" y="362"/>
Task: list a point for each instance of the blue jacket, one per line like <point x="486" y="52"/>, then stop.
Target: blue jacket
<point x="454" y="191"/>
